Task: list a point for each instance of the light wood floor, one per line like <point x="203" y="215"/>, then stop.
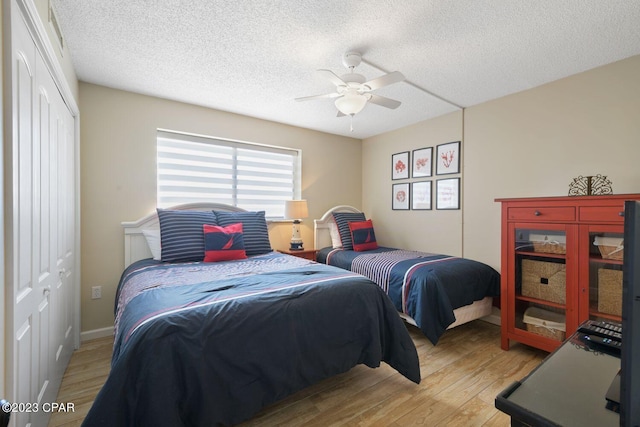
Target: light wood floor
<point x="460" y="378"/>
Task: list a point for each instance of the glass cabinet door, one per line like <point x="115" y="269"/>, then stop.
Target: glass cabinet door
<point x="606" y="250"/>
<point x="541" y="282"/>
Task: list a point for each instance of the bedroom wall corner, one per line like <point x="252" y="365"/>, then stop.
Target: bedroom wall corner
<point x="426" y="230"/>
<point x="532" y="143"/>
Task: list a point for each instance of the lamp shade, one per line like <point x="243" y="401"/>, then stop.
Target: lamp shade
<point x="351" y="103"/>
<point x="296" y="209"/>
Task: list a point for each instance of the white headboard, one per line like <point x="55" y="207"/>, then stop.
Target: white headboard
<point x="321" y="235"/>
<point x="135" y="244"/>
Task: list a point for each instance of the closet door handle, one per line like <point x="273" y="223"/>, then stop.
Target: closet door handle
<point x="47" y="290"/>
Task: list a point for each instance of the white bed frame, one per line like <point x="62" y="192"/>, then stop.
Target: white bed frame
<point x="463" y="315"/>
<point x="135" y="244"/>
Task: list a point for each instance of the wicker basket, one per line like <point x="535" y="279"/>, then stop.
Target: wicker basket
<point x="550" y="247"/>
<point x="611" y="252"/>
<point x="610" y="248"/>
<point x="610" y="291"/>
<point x="544" y="280"/>
<point x="545" y="323"/>
<point x="555" y="334"/>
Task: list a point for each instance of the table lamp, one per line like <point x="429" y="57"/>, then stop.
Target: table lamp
<point x="296" y="210"/>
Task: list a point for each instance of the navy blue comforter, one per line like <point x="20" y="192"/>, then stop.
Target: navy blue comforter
<point x="205" y="344"/>
<point x="427" y="287"/>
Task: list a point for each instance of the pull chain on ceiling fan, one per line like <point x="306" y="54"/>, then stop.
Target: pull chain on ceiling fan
<point x="353" y="91"/>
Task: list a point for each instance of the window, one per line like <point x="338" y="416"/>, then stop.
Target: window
<point x="195" y="168"/>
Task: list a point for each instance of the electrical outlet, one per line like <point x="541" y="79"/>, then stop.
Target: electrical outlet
<point x="96" y="292"/>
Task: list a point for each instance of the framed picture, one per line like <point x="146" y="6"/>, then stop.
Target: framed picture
<point x="400" y="197"/>
<point x="421" y="195"/>
<point x="448" y="158"/>
<point x="422" y="162"/>
<point x="448" y="193"/>
<point x="400" y="165"/>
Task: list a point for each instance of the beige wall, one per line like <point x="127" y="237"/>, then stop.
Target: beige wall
<point x="532" y="143"/>
<point x="118" y="181"/>
<point x="535" y="142"/>
<point x="425" y="230"/>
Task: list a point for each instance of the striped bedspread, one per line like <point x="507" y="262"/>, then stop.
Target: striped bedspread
<point x="212" y="343"/>
<point x="425" y="286"/>
<point x="157" y="276"/>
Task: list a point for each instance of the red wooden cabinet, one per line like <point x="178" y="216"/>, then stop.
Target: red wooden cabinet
<point x="561" y="263"/>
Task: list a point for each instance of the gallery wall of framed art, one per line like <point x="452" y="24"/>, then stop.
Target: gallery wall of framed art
<point x="418" y="165"/>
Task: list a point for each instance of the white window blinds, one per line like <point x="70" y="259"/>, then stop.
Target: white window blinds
<point x="251" y="176"/>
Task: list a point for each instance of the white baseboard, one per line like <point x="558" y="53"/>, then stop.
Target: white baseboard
<point x="494" y="317"/>
<point x="96" y="333"/>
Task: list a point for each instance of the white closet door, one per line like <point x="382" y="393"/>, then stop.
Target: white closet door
<point x="44" y="267"/>
<point x="42" y="230"/>
<point x="63" y="204"/>
<point x="27" y="294"/>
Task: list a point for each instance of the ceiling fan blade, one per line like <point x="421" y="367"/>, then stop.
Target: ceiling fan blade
<point x="332" y="77"/>
<point x="384" y="102"/>
<point x="385" y="80"/>
<point x="309" y="98"/>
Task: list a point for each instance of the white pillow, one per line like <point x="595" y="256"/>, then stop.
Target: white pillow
<point x="336" y="241"/>
<point x="153" y="241"/>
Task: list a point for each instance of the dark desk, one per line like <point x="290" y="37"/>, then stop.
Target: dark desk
<point x="567" y="389"/>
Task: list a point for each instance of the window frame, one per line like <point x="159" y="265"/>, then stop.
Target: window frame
<point x="191" y="138"/>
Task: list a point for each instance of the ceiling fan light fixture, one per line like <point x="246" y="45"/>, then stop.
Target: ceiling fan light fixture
<point x="353" y="90"/>
<point x="351" y="103"/>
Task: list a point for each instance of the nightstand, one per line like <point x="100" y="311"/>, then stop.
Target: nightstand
<point x="309" y="254"/>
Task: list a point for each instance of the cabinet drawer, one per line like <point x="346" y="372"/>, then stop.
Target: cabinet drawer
<point x="545" y="214"/>
<point x="602" y="213"/>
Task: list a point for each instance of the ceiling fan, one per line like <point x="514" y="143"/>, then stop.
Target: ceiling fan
<point x="353" y="91"/>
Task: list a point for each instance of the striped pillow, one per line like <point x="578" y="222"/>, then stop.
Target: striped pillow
<point x="181" y="235"/>
<point x="342" y="220"/>
<point x="254" y="228"/>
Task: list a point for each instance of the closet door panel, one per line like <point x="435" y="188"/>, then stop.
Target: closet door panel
<point x="64" y="189"/>
<point x="24" y="289"/>
<point x="24" y="83"/>
<point x="44" y="145"/>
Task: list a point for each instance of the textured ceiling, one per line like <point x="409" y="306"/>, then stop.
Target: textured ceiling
<point x="254" y="57"/>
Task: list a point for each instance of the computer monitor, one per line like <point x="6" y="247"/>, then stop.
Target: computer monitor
<point x="630" y="371"/>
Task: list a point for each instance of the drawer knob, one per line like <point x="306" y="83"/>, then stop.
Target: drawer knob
<point x="537" y="213"/>
<point x="621" y="213"/>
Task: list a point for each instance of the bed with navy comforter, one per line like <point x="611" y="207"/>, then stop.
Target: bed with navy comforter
<point x="426" y="287"/>
<point x="205" y="344"/>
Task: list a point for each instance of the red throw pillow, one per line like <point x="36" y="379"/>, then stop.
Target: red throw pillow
<point x="223" y="243"/>
<point x="363" y="236"/>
